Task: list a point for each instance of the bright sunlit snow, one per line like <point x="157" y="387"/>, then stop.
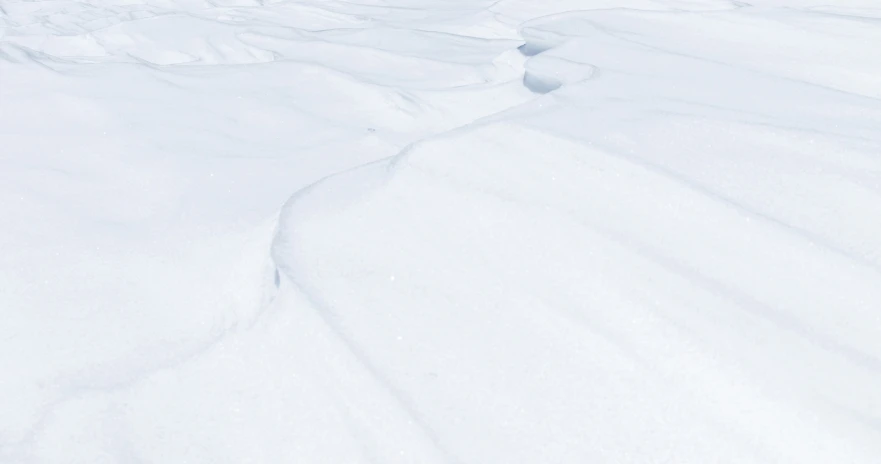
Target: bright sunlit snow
<point x="440" y="231"/>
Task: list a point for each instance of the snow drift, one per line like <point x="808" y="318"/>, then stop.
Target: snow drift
<point x="563" y="231"/>
<point x="658" y="262"/>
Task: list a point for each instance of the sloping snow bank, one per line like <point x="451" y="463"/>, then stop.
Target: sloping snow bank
<point x="600" y="308"/>
<point x="673" y="257"/>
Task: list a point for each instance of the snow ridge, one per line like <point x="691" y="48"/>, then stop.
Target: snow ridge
<point x="588" y="258"/>
<point x="559" y="231"/>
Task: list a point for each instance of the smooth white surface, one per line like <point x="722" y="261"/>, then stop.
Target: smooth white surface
<point x="440" y="231"/>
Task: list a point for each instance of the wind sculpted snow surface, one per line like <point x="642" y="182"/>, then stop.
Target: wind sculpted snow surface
<point x="440" y="231"/>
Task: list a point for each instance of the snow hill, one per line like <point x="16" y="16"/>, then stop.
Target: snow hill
<point x="440" y="231"/>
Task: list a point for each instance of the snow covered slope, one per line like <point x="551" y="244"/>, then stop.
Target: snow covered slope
<point x="440" y="231"/>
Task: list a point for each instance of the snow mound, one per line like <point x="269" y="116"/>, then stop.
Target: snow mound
<point x="623" y="313"/>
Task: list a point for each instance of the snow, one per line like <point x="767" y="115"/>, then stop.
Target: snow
<point x="449" y="231"/>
